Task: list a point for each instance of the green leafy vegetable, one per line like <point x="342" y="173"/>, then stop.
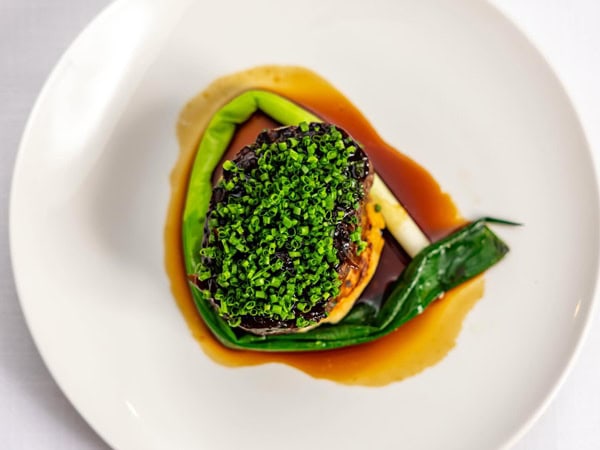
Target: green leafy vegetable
<point x="436" y="269"/>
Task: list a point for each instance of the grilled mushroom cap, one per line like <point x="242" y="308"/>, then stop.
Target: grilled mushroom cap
<point x="355" y="229"/>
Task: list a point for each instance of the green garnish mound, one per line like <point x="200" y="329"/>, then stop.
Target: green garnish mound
<point x="283" y="221"/>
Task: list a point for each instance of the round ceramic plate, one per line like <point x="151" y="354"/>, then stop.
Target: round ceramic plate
<point x="453" y="84"/>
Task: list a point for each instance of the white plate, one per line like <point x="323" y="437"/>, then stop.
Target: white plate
<point x="452" y="83"/>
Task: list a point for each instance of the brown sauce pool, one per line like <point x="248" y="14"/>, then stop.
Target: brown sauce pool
<point x="423" y="341"/>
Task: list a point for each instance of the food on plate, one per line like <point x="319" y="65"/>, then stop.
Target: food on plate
<point x="291" y="237"/>
<point x="252" y="267"/>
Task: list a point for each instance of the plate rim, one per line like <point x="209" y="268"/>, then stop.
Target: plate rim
<point x="51" y="78"/>
<point x="584" y="332"/>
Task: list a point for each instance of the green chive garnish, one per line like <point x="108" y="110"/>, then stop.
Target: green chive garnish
<point x="272" y="237"/>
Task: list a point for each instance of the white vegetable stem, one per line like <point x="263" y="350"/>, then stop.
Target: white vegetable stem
<point x="397" y="220"/>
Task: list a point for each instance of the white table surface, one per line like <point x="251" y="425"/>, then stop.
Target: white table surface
<point x="34" y="414"/>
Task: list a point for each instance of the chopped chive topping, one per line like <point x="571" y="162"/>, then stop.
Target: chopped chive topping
<point x="270" y="249"/>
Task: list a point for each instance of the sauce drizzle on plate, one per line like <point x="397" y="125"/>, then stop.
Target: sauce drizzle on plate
<point x="418" y="344"/>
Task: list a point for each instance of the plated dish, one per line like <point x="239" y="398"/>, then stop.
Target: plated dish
<point x="282" y="235"/>
<point x="481" y="111"/>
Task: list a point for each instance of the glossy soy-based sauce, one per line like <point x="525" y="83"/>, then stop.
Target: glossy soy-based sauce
<point x="416" y="345"/>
